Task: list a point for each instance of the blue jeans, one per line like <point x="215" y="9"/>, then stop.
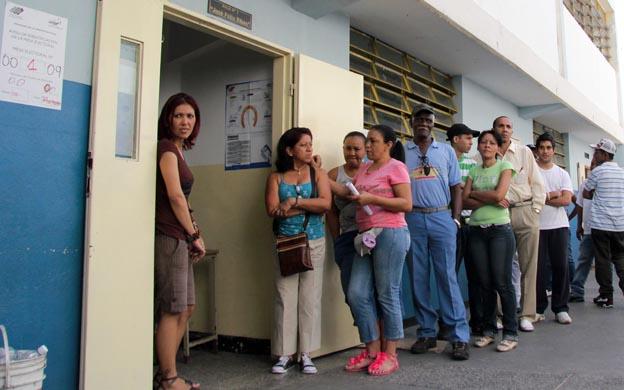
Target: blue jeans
<point x="493" y="249"/>
<point x="383" y="270"/>
<point x="433" y="246"/>
<point x="344" y="251"/>
<point x="583" y="266"/>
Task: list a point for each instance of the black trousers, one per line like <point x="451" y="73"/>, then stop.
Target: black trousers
<point x="608" y="248"/>
<point x="553" y="249"/>
<point x="475" y="297"/>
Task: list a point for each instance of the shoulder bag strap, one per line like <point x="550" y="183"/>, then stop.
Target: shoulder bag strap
<point x="313" y="194"/>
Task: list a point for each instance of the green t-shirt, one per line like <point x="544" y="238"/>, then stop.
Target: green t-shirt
<point x="486" y="179"/>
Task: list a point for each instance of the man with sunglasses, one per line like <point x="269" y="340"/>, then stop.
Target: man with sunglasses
<point x="436" y="184"/>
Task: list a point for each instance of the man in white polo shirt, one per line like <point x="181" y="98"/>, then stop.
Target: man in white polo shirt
<point x="554" y="233"/>
<point x="605" y="186"/>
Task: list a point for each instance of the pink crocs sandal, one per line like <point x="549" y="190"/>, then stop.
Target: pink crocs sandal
<point x="384" y="364"/>
<point x="360" y="362"/>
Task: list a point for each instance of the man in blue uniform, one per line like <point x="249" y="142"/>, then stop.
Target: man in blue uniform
<point x="436" y="184"/>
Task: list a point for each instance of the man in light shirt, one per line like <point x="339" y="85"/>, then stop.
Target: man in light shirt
<point x="554" y="233"/>
<point x="605" y="186"/>
<point x="525" y="200"/>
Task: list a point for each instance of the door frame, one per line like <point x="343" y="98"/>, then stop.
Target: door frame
<point x="282" y="120"/>
<point x="282" y="64"/>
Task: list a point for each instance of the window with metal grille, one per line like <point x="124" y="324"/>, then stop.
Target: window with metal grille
<point x="395" y="81"/>
<point x="591" y="16"/>
<point x="561" y="146"/>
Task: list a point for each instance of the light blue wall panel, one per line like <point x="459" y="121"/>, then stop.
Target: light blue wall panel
<point x="42" y="209"/>
<point x="41" y="234"/>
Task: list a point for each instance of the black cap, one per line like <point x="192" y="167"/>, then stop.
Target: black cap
<point x="460" y="128"/>
<point x="422" y="107"/>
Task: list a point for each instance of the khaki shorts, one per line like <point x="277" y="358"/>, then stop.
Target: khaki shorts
<point x="173" y="273"/>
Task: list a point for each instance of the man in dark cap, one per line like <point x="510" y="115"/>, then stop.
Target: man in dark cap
<point x="436" y="184"/>
<point x="461" y="138"/>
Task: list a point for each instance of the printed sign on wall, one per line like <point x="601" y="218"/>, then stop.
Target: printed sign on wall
<point x="248" y="121"/>
<point x="32" y="59"/>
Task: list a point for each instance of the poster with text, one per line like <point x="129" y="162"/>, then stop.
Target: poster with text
<point x="32" y="58"/>
<point x="248" y="121"/>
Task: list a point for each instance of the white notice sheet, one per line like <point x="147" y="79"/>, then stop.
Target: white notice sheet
<point x="32" y="59"/>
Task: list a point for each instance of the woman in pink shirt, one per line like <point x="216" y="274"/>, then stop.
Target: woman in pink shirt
<point x="384" y="186"/>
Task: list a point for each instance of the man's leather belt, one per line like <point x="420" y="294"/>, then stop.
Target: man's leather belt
<point x="527" y="202"/>
<point x="427" y="210"/>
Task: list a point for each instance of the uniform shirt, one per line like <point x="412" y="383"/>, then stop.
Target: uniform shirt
<point x="555" y="179"/>
<point x="432" y="190"/>
<point x="607" y="181"/>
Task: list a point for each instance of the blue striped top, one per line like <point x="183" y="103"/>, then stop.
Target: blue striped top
<point x="607" y="181"/>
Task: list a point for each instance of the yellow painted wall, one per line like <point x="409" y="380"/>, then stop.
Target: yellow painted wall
<point x="229" y="207"/>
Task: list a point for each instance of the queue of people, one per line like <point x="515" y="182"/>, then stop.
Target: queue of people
<point x="505" y="207"/>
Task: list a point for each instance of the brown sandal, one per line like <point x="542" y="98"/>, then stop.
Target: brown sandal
<point x="191" y="385"/>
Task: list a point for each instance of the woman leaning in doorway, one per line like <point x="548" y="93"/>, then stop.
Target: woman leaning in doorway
<point x="492" y="243"/>
<point x="384" y="186"/>
<point x="178" y="243"/>
<point x="288" y="197"/>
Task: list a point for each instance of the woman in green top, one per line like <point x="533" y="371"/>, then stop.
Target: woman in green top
<point x="492" y="243"/>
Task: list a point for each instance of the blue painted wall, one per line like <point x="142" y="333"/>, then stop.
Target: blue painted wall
<point x="42" y="166"/>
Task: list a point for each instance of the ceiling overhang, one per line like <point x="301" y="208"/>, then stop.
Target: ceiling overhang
<point x="431" y="35"/>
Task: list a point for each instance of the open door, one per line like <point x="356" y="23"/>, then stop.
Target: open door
<point x="117" y="323"/>
<point x="328" y="100"/>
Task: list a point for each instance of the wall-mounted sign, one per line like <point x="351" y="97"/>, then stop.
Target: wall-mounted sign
<point x="248" y="123"/>
<point x="229" y="13"/>
<point x="32" y="59"/>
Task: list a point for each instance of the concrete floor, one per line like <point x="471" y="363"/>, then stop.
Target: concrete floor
<point x="588" y="354"/>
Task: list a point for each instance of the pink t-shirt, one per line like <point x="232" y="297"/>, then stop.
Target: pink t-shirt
<point x="379" y="182"/>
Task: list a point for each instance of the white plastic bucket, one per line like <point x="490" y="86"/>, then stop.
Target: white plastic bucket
<point x="24" y="374"/>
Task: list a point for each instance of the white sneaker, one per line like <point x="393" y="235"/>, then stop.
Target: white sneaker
<point x="284" y="363"/>
<point x="307" y="367"/>
<point x="540" y="317"/>
<point x="564" y="318"/>
<point x="526" y="325"/>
